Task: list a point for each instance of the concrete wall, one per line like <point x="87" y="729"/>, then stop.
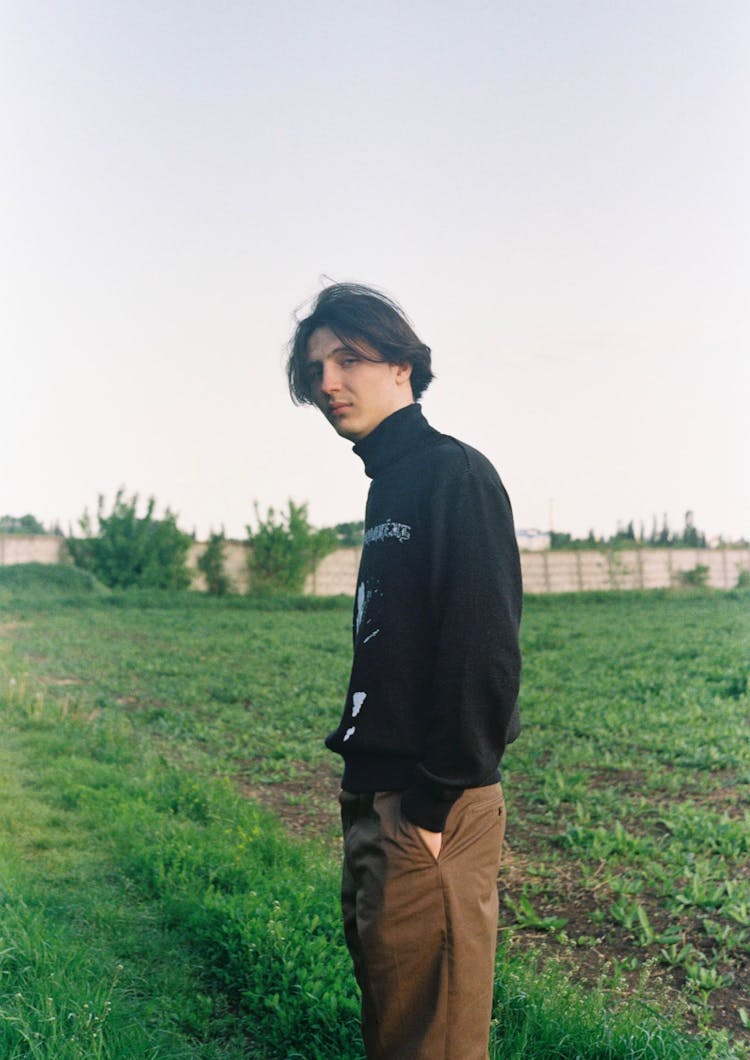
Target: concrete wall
<point x="235" y="565"/>
<point x="574" y="571"/>
<point x="335" y="574"/>
<point x="31" y="548"/>
<point x="46" y="548"/>
<point x="645" y="568"/>
<point x="543" y="572"/>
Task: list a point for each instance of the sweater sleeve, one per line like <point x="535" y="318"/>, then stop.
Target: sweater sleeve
<point x="475" y="598"/>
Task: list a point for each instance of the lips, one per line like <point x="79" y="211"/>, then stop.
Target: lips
<point x="334" y="410"/>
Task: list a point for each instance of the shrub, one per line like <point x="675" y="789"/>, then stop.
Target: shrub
<point x="20" y="524"/>
<point x="350" y="535"/>
<point x="48" y="579"/>
<point x="211" y="566"/>
<point x="285" y="549"/>
<point x="696" y="578"/>
<point x="743" y="578"/>
<point x="130" y="550"/>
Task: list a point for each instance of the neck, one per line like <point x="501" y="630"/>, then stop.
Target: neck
<point x="394" y="437"/>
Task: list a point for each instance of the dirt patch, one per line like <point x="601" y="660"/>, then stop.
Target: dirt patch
<point x="592" y="953"/>
<point x="307" y="804"/>
<point x="632" y="779"/>
<point x="6" y="628"/>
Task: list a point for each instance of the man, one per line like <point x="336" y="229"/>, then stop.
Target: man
<point x="432" y="698"/>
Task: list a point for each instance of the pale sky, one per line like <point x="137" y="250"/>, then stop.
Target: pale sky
<point x="556" y="192"/>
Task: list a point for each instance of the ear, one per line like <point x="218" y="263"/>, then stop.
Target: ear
<point x="403" y="373"/>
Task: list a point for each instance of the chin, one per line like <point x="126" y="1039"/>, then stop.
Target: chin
<point x="350" y="433"/>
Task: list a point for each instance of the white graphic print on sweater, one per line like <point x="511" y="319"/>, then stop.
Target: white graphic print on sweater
<point x="357" y="699"/>
<point x="400" y="531"/>
<point x="382" y="532"/>
<point x="363" y="599"/>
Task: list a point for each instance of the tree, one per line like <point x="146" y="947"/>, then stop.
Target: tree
<point x="560" y="540"/>
<point x="211" y="565"/>
<point x="21" y="524"/>
<point x="131" y="550"/>
<point x="285" y="549"/>
<point x="654" y="538"/>
<point x="350" y="535"/>
<point x="625" y="537"/>
<point x="691" y="537"/>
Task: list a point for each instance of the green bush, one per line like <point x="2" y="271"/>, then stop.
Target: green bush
<point x="285" y="549"/>
<point x="211" y="566"/>
<point x="58" y="579"/>
<point x="743" y="579"/>
<point x="20" y="524"/>
<point x="131" y="550"/>
<point x="695" y="578"/>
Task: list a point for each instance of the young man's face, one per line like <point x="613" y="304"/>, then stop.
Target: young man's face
<point x="354" y="387"/>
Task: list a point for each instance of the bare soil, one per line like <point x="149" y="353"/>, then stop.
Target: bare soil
<point x="307" y="807"/>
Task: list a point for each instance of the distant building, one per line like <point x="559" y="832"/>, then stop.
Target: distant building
<point x="533" y="540"/>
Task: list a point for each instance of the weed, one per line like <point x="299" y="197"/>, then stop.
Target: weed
<point x="626" y="795"/>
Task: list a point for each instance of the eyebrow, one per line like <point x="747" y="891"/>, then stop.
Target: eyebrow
<point x="336" y="349"/>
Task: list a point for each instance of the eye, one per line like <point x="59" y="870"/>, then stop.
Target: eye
<point x="349" y="357"/>
<point x="314" y="373"/>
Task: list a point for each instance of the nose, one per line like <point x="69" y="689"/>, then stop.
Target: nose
<point x="331" y="380"/>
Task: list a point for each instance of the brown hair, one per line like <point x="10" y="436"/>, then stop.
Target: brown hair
<point x="356" y="313"/>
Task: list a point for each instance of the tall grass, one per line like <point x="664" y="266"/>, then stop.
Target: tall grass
<point x="148" y="912"/>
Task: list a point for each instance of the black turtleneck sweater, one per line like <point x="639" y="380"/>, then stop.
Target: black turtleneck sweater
<point x="432" y="699"/>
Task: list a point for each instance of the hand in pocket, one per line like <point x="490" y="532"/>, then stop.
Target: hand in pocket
<point x="432" y="840"/>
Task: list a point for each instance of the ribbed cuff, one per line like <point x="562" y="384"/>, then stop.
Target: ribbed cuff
<point x="426" y="807"/>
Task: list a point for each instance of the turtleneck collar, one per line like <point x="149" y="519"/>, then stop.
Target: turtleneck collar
<point x="397" y="435"/>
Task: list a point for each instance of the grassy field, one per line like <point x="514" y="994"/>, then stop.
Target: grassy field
<point x="150" y="908"/>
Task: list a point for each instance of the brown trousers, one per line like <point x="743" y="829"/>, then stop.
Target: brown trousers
<point x="422" y="932"/>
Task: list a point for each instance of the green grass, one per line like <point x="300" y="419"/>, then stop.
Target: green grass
<point x="630" y="795"/>
<point x="87" y="968"/>
<point x="148" y="913"/>
<point x="133" y="723"/>
<point x="37" y="583"/>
